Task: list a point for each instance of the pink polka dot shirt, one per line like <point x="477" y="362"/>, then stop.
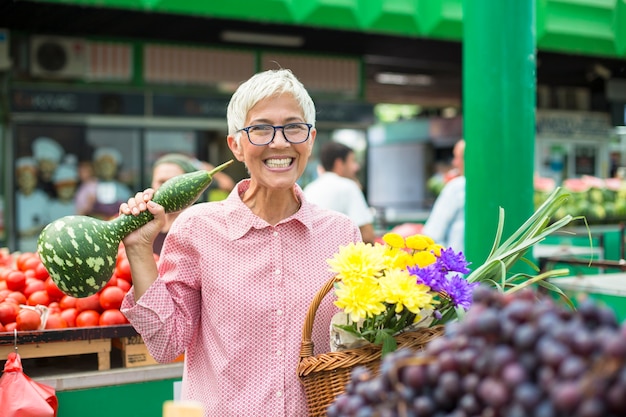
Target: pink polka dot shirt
<point x="232" y="293"/>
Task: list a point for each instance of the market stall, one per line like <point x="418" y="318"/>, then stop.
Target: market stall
<point x="93" y="365"/>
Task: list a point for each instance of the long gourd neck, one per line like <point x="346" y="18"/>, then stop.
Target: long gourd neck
<point x="125" y="224"/>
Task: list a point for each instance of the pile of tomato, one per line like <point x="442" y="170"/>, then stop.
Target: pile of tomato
<point x="30" y="300"/>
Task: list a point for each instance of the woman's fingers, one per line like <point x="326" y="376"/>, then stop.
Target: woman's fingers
<point x="138" y="203"/>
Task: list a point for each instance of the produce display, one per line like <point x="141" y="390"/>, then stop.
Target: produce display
<point x="79" y="252"/>
<point x="514" y="355"/>
<point x="601" y="201"/>
<point x="31" y="300"/>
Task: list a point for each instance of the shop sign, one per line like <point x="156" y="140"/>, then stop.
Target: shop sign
<point x="189" y="106"/>
<point x="51" y="101"/>
<point x="573" y="124"/>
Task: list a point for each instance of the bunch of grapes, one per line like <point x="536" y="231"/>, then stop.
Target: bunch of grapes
<point x="512" y="355"/>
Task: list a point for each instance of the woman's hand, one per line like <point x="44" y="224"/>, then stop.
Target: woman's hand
<point x="141" y="202"/>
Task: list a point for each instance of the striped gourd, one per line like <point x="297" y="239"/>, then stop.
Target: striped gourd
<point x="80" y="252"/>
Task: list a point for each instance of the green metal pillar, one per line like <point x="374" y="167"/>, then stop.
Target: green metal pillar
<point x="499" y="83"/>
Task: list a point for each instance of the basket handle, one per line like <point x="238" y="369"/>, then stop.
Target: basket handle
<point x="306" y="346"/>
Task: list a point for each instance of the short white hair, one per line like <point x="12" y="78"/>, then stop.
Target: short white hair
<point x="263" y="85"/>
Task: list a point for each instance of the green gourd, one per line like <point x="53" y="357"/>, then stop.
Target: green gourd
<point x="79" y="252"/>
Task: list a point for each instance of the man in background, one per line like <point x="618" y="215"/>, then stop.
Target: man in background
<point x="446" y="223"/>
<point x="337" y="187"/>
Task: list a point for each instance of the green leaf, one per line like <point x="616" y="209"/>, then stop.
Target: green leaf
<point x="388" y="342"/>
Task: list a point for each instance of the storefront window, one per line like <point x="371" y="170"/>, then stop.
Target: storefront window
<point x="67" y="170"/>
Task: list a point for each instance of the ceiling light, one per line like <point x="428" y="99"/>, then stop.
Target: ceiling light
<point x="404" y="79"/>
<point x="262" y="38"/>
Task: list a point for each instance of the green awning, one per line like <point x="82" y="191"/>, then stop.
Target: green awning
<point x="588" y="27"/>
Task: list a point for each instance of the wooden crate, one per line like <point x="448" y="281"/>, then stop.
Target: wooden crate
<point x="101" y="347"/>
<point x="135" y="353"/>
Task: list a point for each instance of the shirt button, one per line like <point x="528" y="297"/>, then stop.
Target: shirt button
<point x="279" y="312"/>
<point x="277" y="272"/>
<point x="279" y="394"/>
<point x="275" y="233"/>
<point x="279" y="352"/>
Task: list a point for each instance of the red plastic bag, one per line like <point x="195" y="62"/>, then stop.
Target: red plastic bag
<point x="20" y="396"/>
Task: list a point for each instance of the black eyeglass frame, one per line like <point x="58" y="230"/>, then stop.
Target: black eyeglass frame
<point x="247" y="130"/>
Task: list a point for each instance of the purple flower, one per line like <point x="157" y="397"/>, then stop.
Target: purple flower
<point x="459" y="291"/>
<point x="430" y="275"/>
<point x="452" y="261"/>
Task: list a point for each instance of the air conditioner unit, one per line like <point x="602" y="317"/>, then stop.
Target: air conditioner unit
<point x="58" y="57"/>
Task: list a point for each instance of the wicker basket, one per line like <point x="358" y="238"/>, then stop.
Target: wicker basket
<point x="325" y="376"/>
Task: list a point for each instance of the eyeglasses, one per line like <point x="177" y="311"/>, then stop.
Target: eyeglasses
<point x="264" y="134"/>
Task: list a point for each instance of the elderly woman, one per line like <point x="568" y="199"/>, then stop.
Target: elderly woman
<point x="235" y="277"/>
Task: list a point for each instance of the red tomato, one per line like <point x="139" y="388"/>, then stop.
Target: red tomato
<point x="31" y="264"/>
<point x="67" y="301"/>
<point x="87" y="318"/>
<point x="112" y="282"/>
<point x="124" y="285"/>
<point x="112" y="317"/>
<point x="3" y="285"/>
<point x="54" y="307"/>
<point x="10" y="327"/>
<point x="91" y="302"/>
<point x="53" y="290"/>
<point x="122" y="269"/>
<point x="41" y="272"/>
<point x="111" y="297"/>
<point x="69" y="315"/>
<point x="56" y="321"/>
<point x="33" y="285"/>
<point x="25" y="260"/>
<point x="40" y="297"/>
<point x="16" y="281"/>
<point x="2" y="329"/>
<point x="4" y="272"/>
<point x="28" y="319"/>
<point x="8" y="312"/>
<point x="5" y="257"/>
<point x="17" y="296"/>
<point x="3" y="293"/>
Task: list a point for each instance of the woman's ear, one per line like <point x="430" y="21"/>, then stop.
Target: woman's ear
<point x="235" y="147"/>
<point x="311" y="140"/>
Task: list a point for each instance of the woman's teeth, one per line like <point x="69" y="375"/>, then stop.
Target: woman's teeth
<point x="278" y="163"/>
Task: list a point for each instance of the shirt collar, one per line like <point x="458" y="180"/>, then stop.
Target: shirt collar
<point x="246" y="220"/>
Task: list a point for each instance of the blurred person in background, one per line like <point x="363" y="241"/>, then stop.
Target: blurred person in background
<point x="172" y="165"/>
<point x="48" y="153"/>
<point x="102" y="197"/>
<point x="31" y="204"/>
<point x="65" y="180"/>
<point x="235" y="278"/>
<point x="337" y="187"/>
<point x="446" y="222"/>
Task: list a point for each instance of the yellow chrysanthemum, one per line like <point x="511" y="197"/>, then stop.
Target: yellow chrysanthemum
<point x="358" y="261"/>
<point x="435" y="248"/>
<point x="418" y="242"/>
<point x="398" y="259"/>
<point x="359" y="301"/>
<point x="399" y="287"/>
<point x="424" y="258"/>
<point x="394" y="240"/>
